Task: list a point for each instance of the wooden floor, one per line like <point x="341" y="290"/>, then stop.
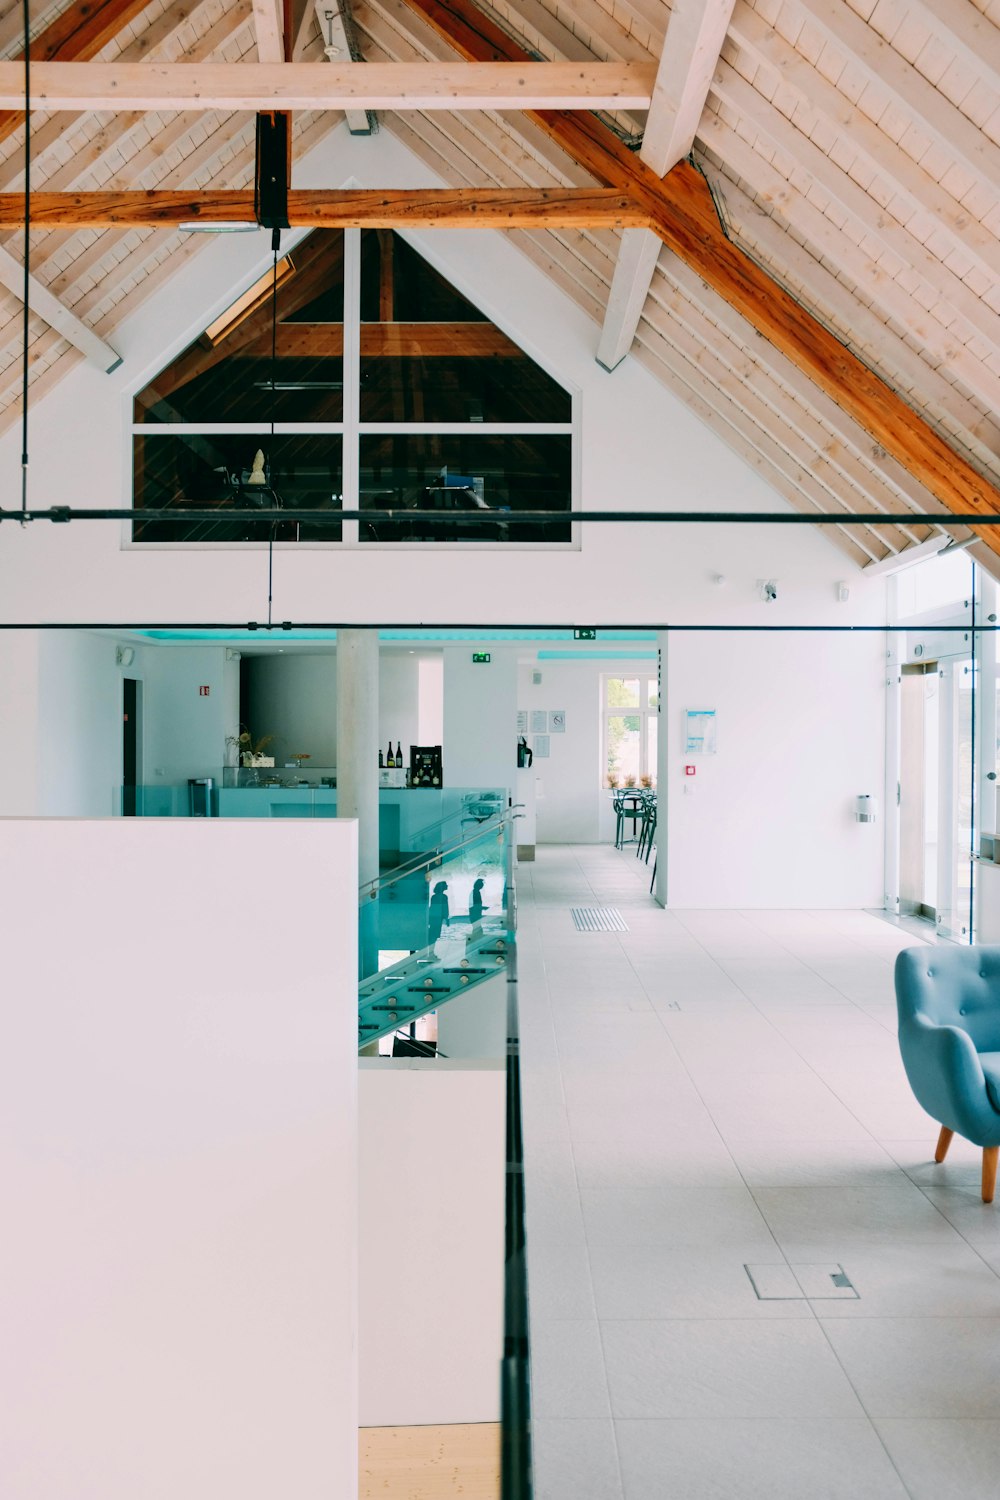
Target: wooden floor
<point x="429" y="1463"/>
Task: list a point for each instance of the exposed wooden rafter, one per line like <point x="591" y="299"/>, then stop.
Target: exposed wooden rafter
<point x="897" y="78"/>
<point x="79" y="33"/>
<point x="309" y="85"/>
<point x="269" y="28"/>
<point x="637" y="257"/>
<point x="333" y="32"/>
<point x="688" y="224"/>
<point x="349" y="208"/>
<point x="59" y="317"/>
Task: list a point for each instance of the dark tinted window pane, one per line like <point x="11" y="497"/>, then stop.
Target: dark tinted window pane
<point x="482" y="487"/>
<point x="428" y="355"/>
<point x="226" y="375"/>
<point x="212" y="474"/>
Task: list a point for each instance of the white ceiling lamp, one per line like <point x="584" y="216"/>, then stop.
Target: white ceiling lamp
<point x="222" y="226"/>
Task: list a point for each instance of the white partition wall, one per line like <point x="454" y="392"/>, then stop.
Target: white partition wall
<point x="178" y="1096"/>
<point x="432" y="1154"/>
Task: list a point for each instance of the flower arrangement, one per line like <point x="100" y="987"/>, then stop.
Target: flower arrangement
<point x="252" y="751"/>
<point x="646" y="781"/>
<point x="630" y="780"/>
<point x="613" y="781"/>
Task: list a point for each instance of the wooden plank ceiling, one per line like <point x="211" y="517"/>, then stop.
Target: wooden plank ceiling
<point x="853" y="151"/>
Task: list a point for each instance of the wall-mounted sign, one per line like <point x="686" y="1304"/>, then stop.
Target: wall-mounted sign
<point x="557" y="721"/>
<point x="204" y="690"/>
<point x="480" y="656"/>
<point x="699" y="731"/>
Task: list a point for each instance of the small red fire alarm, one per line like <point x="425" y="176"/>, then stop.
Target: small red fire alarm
<point x="204" y="690"/>
<point x="690" y="770"/>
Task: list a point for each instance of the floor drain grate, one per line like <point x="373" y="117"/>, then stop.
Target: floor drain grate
<point x="598" y="919"/>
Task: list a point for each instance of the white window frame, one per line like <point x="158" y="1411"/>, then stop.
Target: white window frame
<point x="646" y="678"/>
<point x="352" y="430"/>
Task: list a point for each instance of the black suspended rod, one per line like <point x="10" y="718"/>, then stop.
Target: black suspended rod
<point x="484" y="630"/>
<point x="65" y="513"/>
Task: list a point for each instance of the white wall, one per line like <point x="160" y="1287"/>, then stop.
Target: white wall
<point x="20" y="725"/>
<point x="430" y="716"/>
<point x="184" y="733"/>
<point x="480" y="717"/>
<point x="639" y="444"/>
<point x="80" y="743"/>
<point x="178" y="1155"/>
<point x="475" y="1025"/>
<point x="398" y="702"/>
<point x="431" y="1172"/>
<point x="572" y="806"/>
<point x="769" y="820"/>
<point x="294" y="697"/>
<point x="61" y="723"/>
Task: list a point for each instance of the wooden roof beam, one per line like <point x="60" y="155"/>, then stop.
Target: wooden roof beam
<point x="77" y="34"/>
<point x="429" y="208"/>
<point x="165" y="87"/>
<point x="687" y="222"/>
<point x="329" y="17"/>
<point x="58" y="316"/>
<point x="696" y="31"/>
<point x="269" y="28"/>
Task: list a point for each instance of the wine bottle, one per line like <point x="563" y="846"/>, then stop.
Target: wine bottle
<point x="399" y="756"/>
<point x="390" y="759"/>
<point x="381" y="761"/>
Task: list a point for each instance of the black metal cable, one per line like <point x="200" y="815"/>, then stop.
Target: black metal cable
<point x="275" y="247"/>
<point x="27" y="261"/>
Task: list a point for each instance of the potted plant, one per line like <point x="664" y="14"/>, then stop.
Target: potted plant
<point x="630" y="780"/>
<point x="646" y="781"/>
<point x="613" y="781"/>
<point x="252" y="751"/>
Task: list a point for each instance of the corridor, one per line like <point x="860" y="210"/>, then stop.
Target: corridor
<point x="716" y="1090"/>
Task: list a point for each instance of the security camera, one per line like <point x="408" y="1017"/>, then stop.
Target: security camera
<point x="768" y="590"/>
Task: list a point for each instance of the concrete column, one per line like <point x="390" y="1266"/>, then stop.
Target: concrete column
<point x="357" y="741"/>
<point x="357" y="768"/>
<point x="664" y="731"/>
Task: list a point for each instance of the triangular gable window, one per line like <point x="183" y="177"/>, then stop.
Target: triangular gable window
<point x="436" y="408"/>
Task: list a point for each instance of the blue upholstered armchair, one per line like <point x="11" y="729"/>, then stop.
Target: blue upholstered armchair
<point x="948" y="1001"/>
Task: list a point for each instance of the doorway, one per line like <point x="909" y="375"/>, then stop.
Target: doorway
<point x="936" y="804"/>
<point x="919" y="765"/>
<point x="131" y="710"/>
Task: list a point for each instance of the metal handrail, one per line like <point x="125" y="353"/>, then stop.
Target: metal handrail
<point x="448" y="817"/>
<point x="382" y="882"/>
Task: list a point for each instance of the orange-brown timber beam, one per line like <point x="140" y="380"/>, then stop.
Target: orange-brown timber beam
<point x="681" y="210"/>
<point x="430" y="208"/>
<point x="77" y="35"/>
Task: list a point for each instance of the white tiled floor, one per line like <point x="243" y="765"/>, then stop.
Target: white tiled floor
<point x="718" y="1088"/>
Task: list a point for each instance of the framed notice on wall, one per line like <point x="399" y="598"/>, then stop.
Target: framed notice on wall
<point x="699" y="731"/>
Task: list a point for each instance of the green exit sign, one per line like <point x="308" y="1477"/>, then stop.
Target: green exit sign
<point x="480" y="656"/>
<point x="585" y="635"/>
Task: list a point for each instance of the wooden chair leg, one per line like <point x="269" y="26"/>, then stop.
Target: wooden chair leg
<point x="989" y="1172"/>
<point x="944" y="1141"/>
